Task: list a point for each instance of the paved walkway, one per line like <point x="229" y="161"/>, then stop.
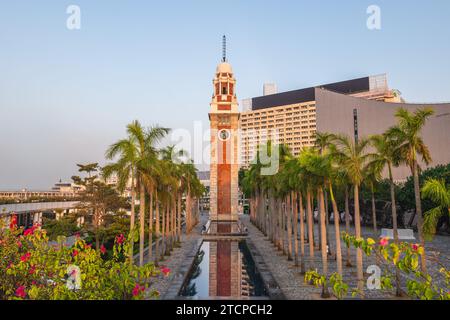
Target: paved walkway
<point x="291" y="281"/>
<point x="177" y="261"/>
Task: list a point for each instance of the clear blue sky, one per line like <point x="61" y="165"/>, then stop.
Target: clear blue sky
<point x="66" y="95"/>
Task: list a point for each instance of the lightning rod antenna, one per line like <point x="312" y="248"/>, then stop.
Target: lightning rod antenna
<point x="224" y="48"/>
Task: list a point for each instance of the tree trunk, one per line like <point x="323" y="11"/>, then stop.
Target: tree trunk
<point x="359" y="261"/>
<point x="295" y="226"/>
<point x="289" y="225"/>
<point x="419" y="215"/>
<point x="142" y="223"/>
<point x="323" y="241"/>
<point x="279" y="228"/>
<point x="374" y="211"/>
<point x="150" y="229"/>
<point x="163" y="229"/>
<point x="310" y="229"/>
<point x="188" y="210"/>
<point x="174" y="225"/>
<point x="167" y="229"/>
<point x="336" y="231"/>
<point x="283" y="224"/>
<point x="132" y="217"/>
<point x="302" y="234"/>
<point x="327" y="220"/>
<point x="179" y="218"/>
<point x="157" y="228"/>
<point x="395" y="229"/>
<point x="347" y="225"/>
<point x="319" y="229"/>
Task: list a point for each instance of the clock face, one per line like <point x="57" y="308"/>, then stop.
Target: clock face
<point x="224" y="134"/>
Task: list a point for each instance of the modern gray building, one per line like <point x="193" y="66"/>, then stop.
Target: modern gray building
<point x="353" y="116"/>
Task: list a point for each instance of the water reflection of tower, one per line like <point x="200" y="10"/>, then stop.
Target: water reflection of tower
<point x="225" y="269"/>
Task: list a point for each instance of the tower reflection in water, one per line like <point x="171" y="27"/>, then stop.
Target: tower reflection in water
<point x="223" y="268"/>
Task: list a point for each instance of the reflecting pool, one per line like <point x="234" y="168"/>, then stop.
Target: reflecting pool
<point x="223" y="268"/>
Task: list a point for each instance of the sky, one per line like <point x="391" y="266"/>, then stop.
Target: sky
<point x="66" y="95"/>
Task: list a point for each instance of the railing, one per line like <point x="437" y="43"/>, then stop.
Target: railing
<point x="33" y="207"/>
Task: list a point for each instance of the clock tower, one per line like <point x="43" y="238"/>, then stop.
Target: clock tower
<point x="224" y="117"/>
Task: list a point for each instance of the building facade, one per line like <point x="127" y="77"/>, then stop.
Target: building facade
<point x="290" y="117"/>
<point x="357" y="117"/>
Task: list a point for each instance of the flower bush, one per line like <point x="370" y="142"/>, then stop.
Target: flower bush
<point x="34" y="269"/>
<point x="390" y="255"/>
<point x="405" y="257"/>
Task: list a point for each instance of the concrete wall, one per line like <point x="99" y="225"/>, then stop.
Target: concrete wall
<point x="334" y="113"/>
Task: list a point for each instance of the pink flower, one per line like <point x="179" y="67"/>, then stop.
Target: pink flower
<point x="165" y="271"/>
<point x="32" y="269"/>
<point x="120" y="239"/>
<point x="13" y="223"/>
<point x="25" y="257"/>
<point x="30" y="231"/>
<point x="415" y="246"/>
<point x="137" y="290"/>
<point x="77" y="235"/>
<point x="103" y="249"/>
<point x="384" y="241"/>
<point x="19" y="244"/>
<point x="75" y="253"/>
<point x="20" y="292"/>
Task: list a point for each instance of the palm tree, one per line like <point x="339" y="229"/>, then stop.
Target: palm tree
<point x="137" y="154"/>
<point x="323" y="142"/>
<point x="439" y="193"/>
<point x="352" y="157"/>
<point x="410" y="145"/>
<point x="386" y="157"/>
<point x="317" y="165"/>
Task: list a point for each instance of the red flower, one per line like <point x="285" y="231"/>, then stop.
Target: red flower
<point x="25" y="257"/>
<point x="415" y="246"/>
<point x="32" y="269"/>
<point x="136" y="290"/>
<point x="120" y="239"/>
<point x="74" y="253"/>
<point x="19" y="244"/>
<point x="103" y="249"/>
<point x="165" y="271"/>
<point x="20" y="292"/>
<point x="30" y="231"/>
<point x="384" y="241"/>
<point x="13" y="223"/>
<point x="77" y="235"/>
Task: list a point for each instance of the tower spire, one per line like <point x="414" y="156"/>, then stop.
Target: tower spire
<point x="224" y="48"/>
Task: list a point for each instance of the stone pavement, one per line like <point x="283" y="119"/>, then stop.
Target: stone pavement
<point x="291" y="281"/>
<point x="179" y="262"/>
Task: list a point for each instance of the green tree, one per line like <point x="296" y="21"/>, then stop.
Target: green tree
<point x="410" y="146"/>
<point x="353" y="157"/>
<point x="137" y="155"/>
<point x="438" y="192"/>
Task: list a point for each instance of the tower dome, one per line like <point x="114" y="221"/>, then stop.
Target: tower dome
<point x="224" y="67"/>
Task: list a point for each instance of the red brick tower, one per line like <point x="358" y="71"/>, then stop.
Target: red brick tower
<point x="224" y="118"/>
